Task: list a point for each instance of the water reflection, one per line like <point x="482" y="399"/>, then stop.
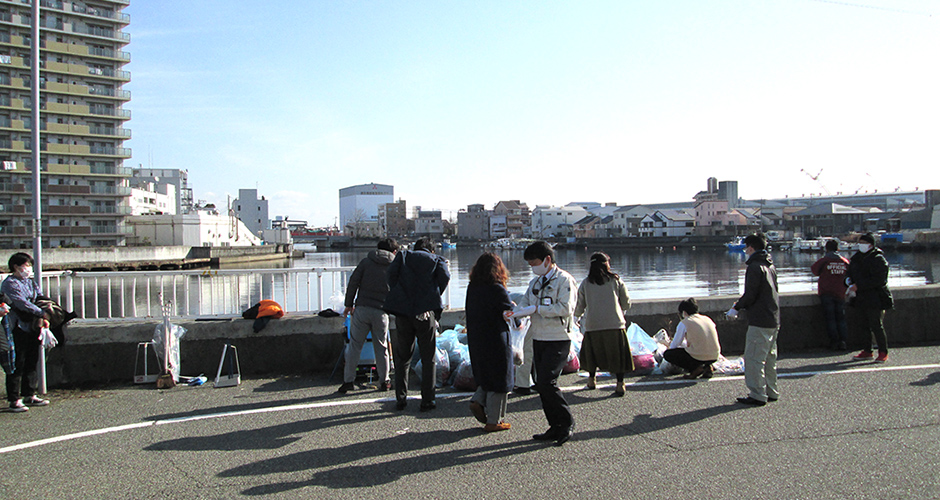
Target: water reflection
<point x="651" y="274"/>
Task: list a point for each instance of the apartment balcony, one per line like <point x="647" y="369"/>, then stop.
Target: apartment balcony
<point x="11" y="209"/>
<point x="110" y="190"/>
<point x="66" y="210"/>
<point x="122" y="171"/>
<point x="111" y="210"/>
<point x="110" y="230"/>
<point x="110" y="151"/>
<point x="103" y="14"/>
<point x="102" y="33"/>
<point x="110" y="54"/>
<point x="12" y="187"/>
<point x="119" y="113"/>
<point x="14" y="231"/>
<point x="124" y="76"/>
<point x="65" y="189"/>
<point x="67" y="230"/>
<point x="110" y="132"/>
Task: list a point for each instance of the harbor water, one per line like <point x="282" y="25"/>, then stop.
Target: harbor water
<point x="655" y="274"/>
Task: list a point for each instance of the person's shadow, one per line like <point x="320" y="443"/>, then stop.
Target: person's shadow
<point x="324" y="461"/>
<point x="932" y="379"/>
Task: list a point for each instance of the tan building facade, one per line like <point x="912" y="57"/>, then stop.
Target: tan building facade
<point x="85" y="192"/>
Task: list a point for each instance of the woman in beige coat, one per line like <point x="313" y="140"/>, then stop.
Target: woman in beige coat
<point x="602" y="300"/>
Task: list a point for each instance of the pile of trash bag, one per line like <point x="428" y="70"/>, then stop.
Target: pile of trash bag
<point x="451" y="360"/>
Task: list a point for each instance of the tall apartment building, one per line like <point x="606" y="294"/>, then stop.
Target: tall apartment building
<point x="85" y="191"/>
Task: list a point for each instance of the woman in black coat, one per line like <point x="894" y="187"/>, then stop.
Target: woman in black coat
<point x="488" y="339"/>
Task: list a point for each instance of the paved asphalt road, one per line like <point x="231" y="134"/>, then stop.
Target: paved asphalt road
<point x="841" y="429"/>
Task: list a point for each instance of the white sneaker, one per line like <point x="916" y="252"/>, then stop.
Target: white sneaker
<point x="18" y="406"/>
<point x="34" y="401"/>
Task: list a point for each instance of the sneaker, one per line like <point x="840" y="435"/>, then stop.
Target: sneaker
<point x="864" y="355"/>
<point x="346" y="387"/>
<point x="34" y="401"/>
<point x="882" y="357"/>
<point x="18" y="406"/>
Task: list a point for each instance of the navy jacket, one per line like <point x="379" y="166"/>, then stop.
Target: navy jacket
<point x="488" y="337"/>
<point x="416" y="280"/>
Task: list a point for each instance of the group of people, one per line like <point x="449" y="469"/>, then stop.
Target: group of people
<point x="409" y="284"/>
<point x="861" y="282"/>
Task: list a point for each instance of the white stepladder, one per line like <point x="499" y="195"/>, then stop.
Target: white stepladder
<point x="142" y="373"/>
<point x="233" y="375"/>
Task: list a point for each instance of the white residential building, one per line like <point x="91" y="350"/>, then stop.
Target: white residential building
<point x="550" y="221"/>
<point x="149" y="198"/>
<point x="668" y="223"/>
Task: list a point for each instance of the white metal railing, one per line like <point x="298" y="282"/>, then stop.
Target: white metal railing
<point x="194" y="293"/>
<point x="198" y="292"/>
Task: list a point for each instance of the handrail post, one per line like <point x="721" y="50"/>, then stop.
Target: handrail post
<point x="319" y="289"/>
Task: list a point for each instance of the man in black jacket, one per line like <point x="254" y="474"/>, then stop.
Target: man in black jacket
<point x="416" y="280"/>
<point x="365" y="297"/>
<point x="761" y="301"/>
<point x="868" y="281"/>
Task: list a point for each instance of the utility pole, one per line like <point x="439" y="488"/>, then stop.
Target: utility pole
<point x="37" y="198"/>
<point x="34" y="87"/>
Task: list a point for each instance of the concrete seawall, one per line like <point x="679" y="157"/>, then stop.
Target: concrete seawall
<point x="104" y="351"/>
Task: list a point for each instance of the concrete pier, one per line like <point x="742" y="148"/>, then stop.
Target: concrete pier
<point x="104" y="351"/>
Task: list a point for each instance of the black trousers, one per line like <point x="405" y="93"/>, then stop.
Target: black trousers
<point x="23" y="381"/>
<point x="549" y="358"/>
<point x="873" y="325"/>
<point x="409" y="330"/>
<point x="834" y="311"/>
<point x="681" y="358"/>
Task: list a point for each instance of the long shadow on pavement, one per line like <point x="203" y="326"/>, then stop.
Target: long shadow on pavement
<point x="262" y="404"/>
<point x="380" y="472"/>
<point x="268" y="438"/>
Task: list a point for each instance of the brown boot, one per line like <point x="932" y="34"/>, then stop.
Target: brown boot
<point x="620" y="390"/>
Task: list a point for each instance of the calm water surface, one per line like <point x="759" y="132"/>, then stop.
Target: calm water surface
<point x="651" y="274"/>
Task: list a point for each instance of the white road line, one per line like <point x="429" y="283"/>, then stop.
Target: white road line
<point x="139" y="425"/>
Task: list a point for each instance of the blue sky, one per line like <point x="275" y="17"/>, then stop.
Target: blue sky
<point x="456" y="103"/>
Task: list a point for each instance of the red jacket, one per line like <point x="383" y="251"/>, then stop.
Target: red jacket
<point x="832" y="271"/>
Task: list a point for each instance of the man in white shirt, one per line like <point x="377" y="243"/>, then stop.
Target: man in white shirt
<point x="550" y="300"/>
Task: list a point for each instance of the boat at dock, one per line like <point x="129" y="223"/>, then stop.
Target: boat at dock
<point x="736" y="245"/>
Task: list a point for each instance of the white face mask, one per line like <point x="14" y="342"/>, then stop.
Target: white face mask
<point x="541" y="269"/>
<point x="864" y="247"/>
<point x="24" y="273"/>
